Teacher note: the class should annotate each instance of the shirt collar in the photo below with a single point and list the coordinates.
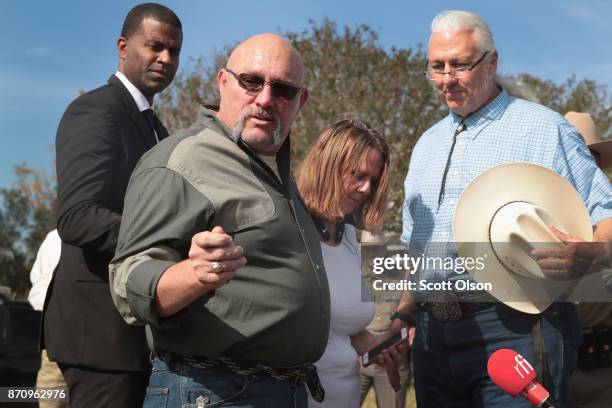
(478, 120)
(208, 116)
(139, 98)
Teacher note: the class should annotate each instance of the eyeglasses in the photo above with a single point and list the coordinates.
(456, 72)
(255, 83)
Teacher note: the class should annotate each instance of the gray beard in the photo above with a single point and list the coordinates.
(237, 131)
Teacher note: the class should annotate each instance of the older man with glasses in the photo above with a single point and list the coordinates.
(217, 253)
(486, 127)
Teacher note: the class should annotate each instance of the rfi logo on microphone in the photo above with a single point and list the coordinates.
(523, 364)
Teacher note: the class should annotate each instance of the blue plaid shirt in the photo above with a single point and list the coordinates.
(505, 130)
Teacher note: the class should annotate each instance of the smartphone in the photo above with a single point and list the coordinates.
(393, 341)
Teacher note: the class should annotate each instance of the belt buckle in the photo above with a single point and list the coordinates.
(445, 306)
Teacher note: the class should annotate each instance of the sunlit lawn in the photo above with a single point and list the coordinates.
(370, 401)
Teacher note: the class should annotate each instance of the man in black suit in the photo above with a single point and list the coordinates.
(101, 137)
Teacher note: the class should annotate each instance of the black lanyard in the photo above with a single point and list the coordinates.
(460, 129)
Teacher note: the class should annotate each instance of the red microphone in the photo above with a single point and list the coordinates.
(515, 376)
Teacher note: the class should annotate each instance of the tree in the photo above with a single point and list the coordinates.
(349, 74)
(27, 214)
(197, 85)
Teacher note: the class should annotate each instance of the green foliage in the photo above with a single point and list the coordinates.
(178, 105)
(27, 214)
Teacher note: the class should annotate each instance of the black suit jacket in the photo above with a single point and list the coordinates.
(100, 138)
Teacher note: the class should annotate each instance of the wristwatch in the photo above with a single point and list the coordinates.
(404, 317)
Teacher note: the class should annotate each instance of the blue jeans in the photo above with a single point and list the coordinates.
(182, 386)
(450, 358)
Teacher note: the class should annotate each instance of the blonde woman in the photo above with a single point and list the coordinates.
(344, 181)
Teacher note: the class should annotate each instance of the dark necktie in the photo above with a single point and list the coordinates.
(152, 121)
(460, 129)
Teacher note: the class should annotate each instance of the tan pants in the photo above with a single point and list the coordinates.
(50, 376)
(386, 397)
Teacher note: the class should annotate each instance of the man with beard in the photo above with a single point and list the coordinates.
(487, 127)
(218, 255)
(100, 138)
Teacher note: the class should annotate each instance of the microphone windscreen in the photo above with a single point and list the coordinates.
(510, 371)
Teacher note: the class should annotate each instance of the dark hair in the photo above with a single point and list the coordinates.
(155, 11)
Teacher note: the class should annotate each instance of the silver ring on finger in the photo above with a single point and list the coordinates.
(217, 267)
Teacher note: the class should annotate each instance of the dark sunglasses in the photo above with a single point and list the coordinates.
(255, 83)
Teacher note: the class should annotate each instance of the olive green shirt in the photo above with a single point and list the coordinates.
(276, 310)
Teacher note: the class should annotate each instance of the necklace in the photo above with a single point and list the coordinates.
(326, 234)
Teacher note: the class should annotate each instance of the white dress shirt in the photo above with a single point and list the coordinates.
(47, 259)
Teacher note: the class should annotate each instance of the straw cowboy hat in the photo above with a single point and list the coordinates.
(502, 215)
(587, 128)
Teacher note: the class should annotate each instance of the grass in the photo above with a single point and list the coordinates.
(370, 401)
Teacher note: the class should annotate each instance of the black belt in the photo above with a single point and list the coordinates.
(306, 373)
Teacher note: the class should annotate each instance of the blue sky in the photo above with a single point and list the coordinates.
(53, 49)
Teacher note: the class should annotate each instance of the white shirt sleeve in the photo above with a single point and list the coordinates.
(47, 259)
